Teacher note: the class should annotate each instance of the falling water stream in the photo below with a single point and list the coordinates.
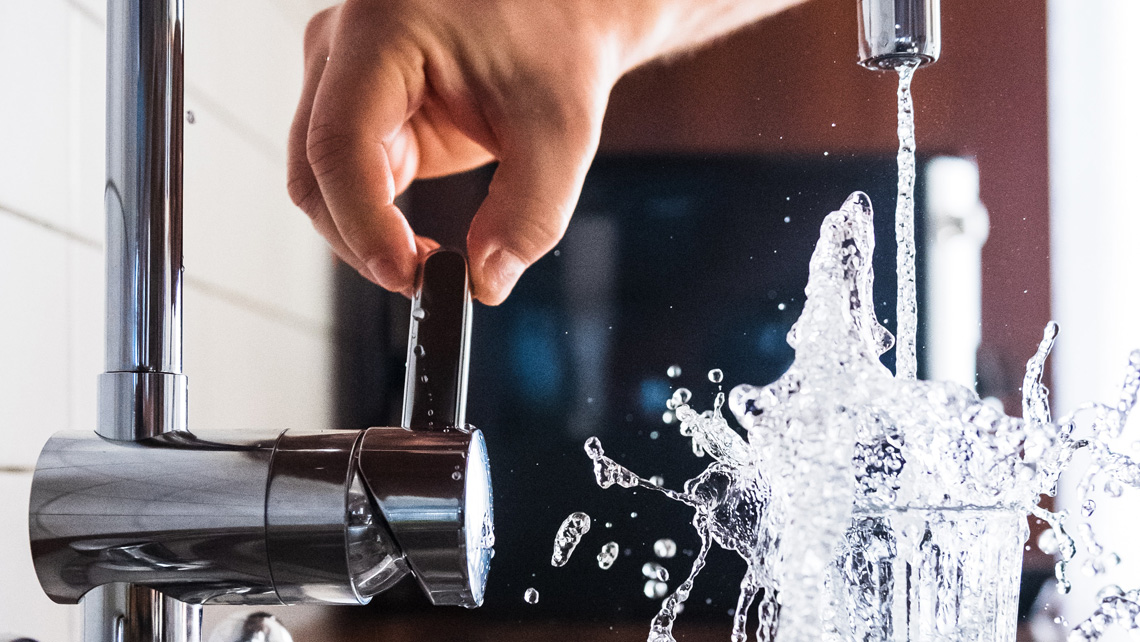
(906, 312)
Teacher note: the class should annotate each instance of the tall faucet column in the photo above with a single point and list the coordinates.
(143, 391)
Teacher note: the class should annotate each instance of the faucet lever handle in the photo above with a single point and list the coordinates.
(439, 337)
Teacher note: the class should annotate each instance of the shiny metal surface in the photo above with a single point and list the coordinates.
(439, 338)
(120, 612)
(143, 393)
(895, 32)
(136, 405)
(326, 541)
(434, 489)
(181, 513)
(143, 198)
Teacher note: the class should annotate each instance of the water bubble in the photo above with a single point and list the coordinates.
(530, 596)
(673, 371)
(1047, 542)
(1113, 488)
(655, 590)
(607, 555)
(665, 548)
(1088, 508)
(655, 571)
(716, 375)
(569, 534)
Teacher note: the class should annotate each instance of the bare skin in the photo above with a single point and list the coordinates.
(396, 90)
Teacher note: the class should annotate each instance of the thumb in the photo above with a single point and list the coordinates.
(528, 204)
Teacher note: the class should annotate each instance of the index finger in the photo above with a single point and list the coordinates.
(357, 130)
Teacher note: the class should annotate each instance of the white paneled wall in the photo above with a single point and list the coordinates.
(257, 299)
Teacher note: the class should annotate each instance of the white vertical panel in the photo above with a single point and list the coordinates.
(33, 349)
(87, 123)
(24, 609)
(86, 302)
(33, 111)
(1094, 90)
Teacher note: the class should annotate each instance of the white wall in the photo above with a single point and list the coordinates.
(1094, 131)
(257, 300)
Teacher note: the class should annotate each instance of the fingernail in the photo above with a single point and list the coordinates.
(386, 273)
(500, 272)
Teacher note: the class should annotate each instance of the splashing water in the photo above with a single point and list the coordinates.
(569, 534)
(906, 312)
(872, 507)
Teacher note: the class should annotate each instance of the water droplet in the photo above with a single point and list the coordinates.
(569, 534)
(665, 548)
(681, 396)
(653, 434)
(190, 117)
(657, 480)
(668, 416)
(530, 596)
(782, 307)
(423, 378)
(787, 219)
(457, 475)
(633, 515)
(557, 252)
(419, 351)
(419, 314)
(1088, 508)
(655, 590)
(608, 554)
(716, 375)
(673, 371)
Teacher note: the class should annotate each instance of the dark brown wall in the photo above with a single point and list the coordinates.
(777, 87)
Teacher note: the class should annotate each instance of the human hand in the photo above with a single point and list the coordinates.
(401, 89)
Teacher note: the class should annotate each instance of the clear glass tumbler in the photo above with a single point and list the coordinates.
(928, 575)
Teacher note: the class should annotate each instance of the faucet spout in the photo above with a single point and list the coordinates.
(893, 33)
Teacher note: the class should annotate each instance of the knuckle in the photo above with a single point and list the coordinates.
(539, 230)
(316, 31)
(303, 190)
(326, 148)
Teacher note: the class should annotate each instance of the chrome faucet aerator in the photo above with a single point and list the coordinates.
(284, 517)
(895, 32)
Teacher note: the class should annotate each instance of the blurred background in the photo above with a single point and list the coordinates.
(689, 248)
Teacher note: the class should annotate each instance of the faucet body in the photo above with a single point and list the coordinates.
(893, 33)
(262, 517)
(144, 521)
